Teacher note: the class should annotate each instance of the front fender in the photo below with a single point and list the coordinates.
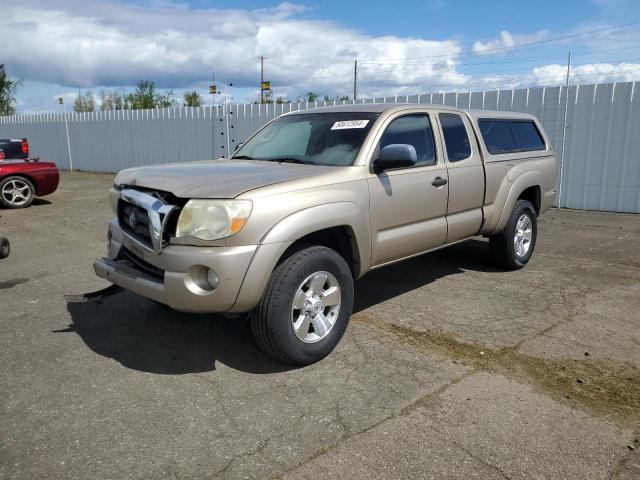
(297, 225)
(313, 219)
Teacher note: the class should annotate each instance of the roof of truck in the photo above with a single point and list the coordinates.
(369, 107)
(383, 107)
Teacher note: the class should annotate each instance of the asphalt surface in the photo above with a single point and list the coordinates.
(449, 368)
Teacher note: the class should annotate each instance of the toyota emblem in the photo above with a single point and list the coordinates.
(133, 221)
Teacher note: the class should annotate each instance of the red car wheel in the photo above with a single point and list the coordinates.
(16, 192)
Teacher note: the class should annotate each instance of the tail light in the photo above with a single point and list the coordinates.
(1, 155)
(25, 147)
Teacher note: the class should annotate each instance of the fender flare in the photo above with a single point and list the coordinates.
(320, 217)
(293, 227)
(520, 184)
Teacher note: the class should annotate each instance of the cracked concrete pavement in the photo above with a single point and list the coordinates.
(449, 369)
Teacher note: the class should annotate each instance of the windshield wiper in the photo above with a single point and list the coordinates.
(290, 160)
(242, 157)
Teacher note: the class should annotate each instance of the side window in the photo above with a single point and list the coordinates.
(527, 136)
(508, 136)
(456, 138)
(498, 136)
(414, 130)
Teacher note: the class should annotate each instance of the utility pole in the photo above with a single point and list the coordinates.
(355, 80)
(564, 128)
(261, 78)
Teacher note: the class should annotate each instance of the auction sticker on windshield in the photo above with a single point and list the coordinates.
(349, 124)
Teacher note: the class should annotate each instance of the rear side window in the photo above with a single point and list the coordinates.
(455, 137)
(527, 136)
(414, 130)
(508, 136)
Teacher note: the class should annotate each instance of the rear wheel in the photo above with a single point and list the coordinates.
(513, 247)
(306, 306)
(16, 192)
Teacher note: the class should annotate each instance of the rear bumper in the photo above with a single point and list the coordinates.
(181, 265)
(47, 180)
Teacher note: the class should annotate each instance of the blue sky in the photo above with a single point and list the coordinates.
(402, 46)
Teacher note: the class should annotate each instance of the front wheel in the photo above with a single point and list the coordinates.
(512, 248)
(306, 306)
(16, 192)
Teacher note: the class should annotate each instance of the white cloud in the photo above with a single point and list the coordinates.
(66, 44)
(590, 73)
(505, 42)
(93, 43)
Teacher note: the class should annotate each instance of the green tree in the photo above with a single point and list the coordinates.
(344, 98)
(84, 103)
(312, 97)
(192, 99)
(166, 100)
(144, 96)
(8, 90)
(282, 100)
(114, 100)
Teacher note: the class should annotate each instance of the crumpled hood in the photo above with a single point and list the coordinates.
(220, 178)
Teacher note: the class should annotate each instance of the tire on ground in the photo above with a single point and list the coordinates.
(271, 320)
(5, 247)
(29, 195)
(502, 245)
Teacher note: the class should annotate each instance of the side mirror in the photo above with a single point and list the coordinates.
(396, 155)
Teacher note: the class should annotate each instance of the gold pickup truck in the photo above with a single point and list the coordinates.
(313, 201)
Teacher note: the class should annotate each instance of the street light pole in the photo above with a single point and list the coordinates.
(261, 78)
(355, 80)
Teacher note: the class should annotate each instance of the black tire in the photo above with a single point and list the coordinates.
(5, 247)
(30, 192)
(501, 246)
(271, 320)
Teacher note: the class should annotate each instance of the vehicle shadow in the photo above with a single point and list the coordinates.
(148, 337)
(35, 203)
(145, 336)
(388, 282)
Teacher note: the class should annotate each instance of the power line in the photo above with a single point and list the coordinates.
(374, 74)
(505, 62)
(524, 45)
(484, 84)
(436, 71)
(465, 53)
(406, 66)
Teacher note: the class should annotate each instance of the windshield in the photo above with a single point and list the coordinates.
(314, 138)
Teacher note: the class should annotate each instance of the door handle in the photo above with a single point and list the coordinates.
(439, 181)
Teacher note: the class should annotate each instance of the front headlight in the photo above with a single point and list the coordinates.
(213, 219)
(114, 196)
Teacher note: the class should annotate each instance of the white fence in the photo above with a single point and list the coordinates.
(601, 168)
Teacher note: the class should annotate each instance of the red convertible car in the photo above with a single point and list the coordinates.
(22, 180)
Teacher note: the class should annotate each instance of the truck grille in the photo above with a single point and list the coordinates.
(135, 221)
(143, 216)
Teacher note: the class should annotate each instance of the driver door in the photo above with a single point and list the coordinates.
(408, 205)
